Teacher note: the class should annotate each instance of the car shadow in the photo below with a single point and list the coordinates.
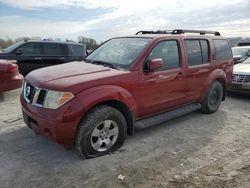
(242, 96)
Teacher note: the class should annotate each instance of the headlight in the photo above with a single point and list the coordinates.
(55, 99)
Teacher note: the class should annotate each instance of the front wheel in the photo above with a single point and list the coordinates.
(213, 99)
(103, 130)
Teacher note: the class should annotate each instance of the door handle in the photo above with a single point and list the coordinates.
(180, 76)
(37, 58)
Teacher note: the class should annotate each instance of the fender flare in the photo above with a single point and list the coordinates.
(217, 74)
(103, 93)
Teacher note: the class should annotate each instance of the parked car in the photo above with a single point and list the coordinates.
(9, 76)
(31, 55)
(241, 78)
(240, 53)
(127, 82)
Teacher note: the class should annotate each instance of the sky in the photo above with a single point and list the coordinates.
(103, 19)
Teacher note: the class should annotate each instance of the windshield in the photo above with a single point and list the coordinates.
(240, 51)
(12, 47)
(247, 61)
(119, 52)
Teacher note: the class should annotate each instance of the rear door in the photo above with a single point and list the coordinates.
(54, 54)
(198, 66)
(166, 88)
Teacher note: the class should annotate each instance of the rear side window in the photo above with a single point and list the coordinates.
(52, 49)
(168, 51)
(222, 50)
(31, 48)
(77, 50)
(197, 51)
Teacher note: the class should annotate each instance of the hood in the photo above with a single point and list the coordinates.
(73, 76)
(242, 68)
(237, 56)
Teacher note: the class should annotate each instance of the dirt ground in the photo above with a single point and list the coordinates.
(193, 151)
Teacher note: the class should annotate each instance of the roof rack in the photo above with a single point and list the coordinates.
(202, 32)
(155, 32)
(179, 31)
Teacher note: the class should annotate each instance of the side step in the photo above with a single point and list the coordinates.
(157, 119)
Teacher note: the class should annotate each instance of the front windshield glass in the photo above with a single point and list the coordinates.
(247, 61)
(12, 47)
(119, 52)
(240, 51)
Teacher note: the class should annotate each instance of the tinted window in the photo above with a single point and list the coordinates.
(30, 49)
(77, 50)
(222, 50)
(204, 50)
(167, 51)
(54, 49)
(197, 51)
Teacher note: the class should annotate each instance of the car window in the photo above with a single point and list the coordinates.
(204, 50)
(197, 51)
(168, 51)
(77, 50)
(53, 49)
(121, 52)
(31, 48)
(222, 50)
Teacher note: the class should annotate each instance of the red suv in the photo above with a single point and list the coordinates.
(128, 82)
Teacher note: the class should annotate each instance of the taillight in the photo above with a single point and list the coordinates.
(13, 68)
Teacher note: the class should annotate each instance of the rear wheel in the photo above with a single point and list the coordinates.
(103, 130)
(213, 99)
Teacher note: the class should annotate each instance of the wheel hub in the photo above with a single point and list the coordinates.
(104, 135)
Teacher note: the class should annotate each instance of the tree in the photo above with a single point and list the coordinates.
(6, 43)
(89, 42)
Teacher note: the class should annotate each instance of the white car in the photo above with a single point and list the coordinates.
(241, 78)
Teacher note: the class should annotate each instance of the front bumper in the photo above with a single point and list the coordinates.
(58, 125)
(239, 87)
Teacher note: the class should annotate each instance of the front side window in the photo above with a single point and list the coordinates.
(32, 48)
(168, 51)
(120, 52)
(197, 51)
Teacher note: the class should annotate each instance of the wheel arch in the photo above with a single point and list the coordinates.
(114, 96)
(217, 75)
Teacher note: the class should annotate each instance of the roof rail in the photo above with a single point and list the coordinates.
(155, 32)
(202, 32)
(179, 31)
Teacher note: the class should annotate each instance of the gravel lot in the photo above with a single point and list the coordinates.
(195, 150)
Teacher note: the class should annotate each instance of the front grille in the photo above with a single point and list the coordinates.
(29, 92)
(41, 97)
(241, 78)
(34, 95)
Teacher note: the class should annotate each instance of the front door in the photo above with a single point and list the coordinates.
(164, 89)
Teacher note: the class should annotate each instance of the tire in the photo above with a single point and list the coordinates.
(213, 99)
(103, 130)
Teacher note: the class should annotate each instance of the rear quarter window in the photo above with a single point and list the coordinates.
(77, 50)
(222, 49)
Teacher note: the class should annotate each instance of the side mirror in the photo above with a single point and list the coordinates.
(19, 52)
(155, 64)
